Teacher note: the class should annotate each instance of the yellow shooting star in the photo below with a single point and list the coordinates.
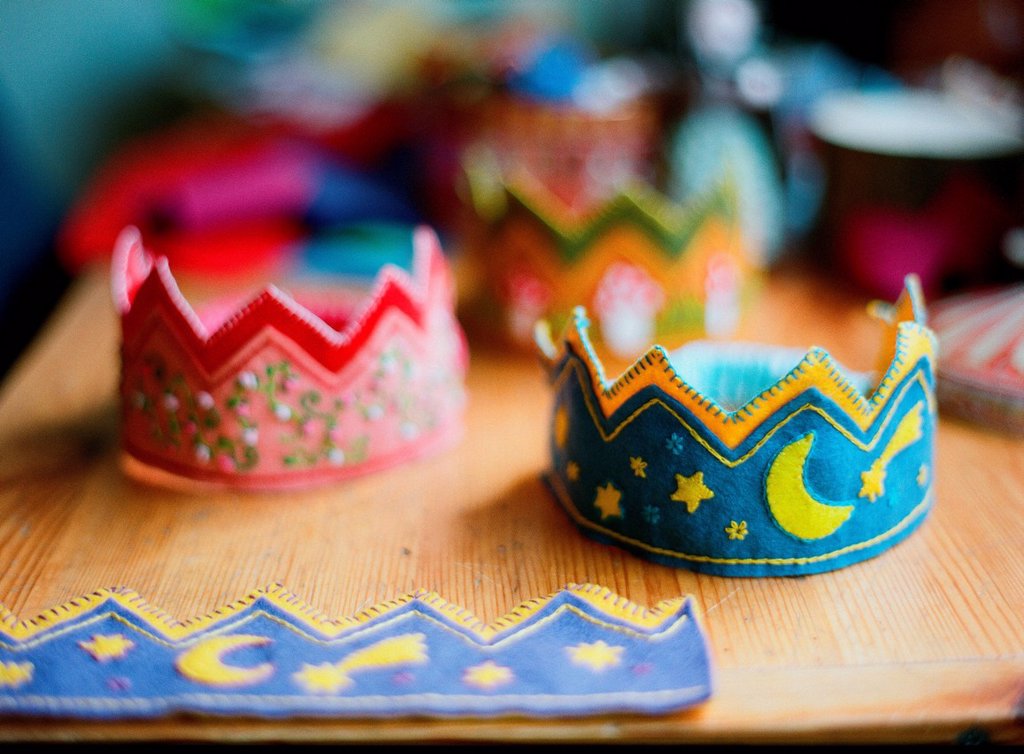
(907, 433)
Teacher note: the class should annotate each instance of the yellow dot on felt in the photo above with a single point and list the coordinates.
(639, 466)
(572, 470)
(105, 647)
(692, 491)
(607, 501)
(325, 678)
(14, 674)
(561, 426)
(597, 656)
(922, 475)
(487, 675)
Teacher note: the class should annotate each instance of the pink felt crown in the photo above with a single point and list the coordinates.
(271, 395)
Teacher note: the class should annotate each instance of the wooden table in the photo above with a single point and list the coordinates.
(924, 643)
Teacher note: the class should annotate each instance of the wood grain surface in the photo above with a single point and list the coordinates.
(923, 643)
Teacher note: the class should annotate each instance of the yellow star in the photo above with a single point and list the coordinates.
(596, 656)
(692, 491)
(922, 475)
(105, 647)
(561, 426)
(14, 674)
(326, 678)
(487, 675)
(572, 470)
(873, 482)
(639, 466)
(607, 501)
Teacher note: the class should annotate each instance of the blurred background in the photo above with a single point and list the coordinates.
(867, 138)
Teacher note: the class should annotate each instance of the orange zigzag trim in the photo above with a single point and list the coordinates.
(912, 341)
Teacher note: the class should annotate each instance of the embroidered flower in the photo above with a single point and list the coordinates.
(225, 463)
(336, 456)
(282, 412)
(737, 530)
(374, 412)
(650, 514)
(189, 428)
(119, 683)
(675, 443)
(638, 466)
(250, 436)
(248, 380)
(202, 453)
(171, 402)
(204, 400)
(572, 471)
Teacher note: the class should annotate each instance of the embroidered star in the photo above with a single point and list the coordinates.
(922, 475)
(561, 426)
(597, 656)
(487, 675)
(692, 491)
(639, 466)
(607, 501)
(14, 674)
(873, 482)
(104, 647)
(737, 530)
(326, 678)
(572, 471)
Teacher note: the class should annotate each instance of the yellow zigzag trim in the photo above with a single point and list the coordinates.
(913, 342)
(601, 600)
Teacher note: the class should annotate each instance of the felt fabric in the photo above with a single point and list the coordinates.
(646, 267)
(809, 474)
(581, 651)
(282, 392)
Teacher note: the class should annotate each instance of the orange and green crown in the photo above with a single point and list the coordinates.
(648, 268)
(746, 459)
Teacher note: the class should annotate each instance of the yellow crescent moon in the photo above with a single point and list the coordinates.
(204, 663)
(793, 507)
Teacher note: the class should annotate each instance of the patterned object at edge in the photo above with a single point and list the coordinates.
(273, 396)
(580, 651)
(808, 475)
(981, 338)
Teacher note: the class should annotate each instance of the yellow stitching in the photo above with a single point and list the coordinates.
(156, 620)
(914, 342)
(563, 496)
(609, 436)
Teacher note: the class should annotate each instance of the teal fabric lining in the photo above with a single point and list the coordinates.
(733, 373)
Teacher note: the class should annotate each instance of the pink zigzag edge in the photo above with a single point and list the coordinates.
(143, 287)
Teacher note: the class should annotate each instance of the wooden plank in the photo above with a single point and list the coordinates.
(921, 643)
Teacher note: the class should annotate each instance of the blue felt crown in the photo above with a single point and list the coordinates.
(580, 651)
(726, 458)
